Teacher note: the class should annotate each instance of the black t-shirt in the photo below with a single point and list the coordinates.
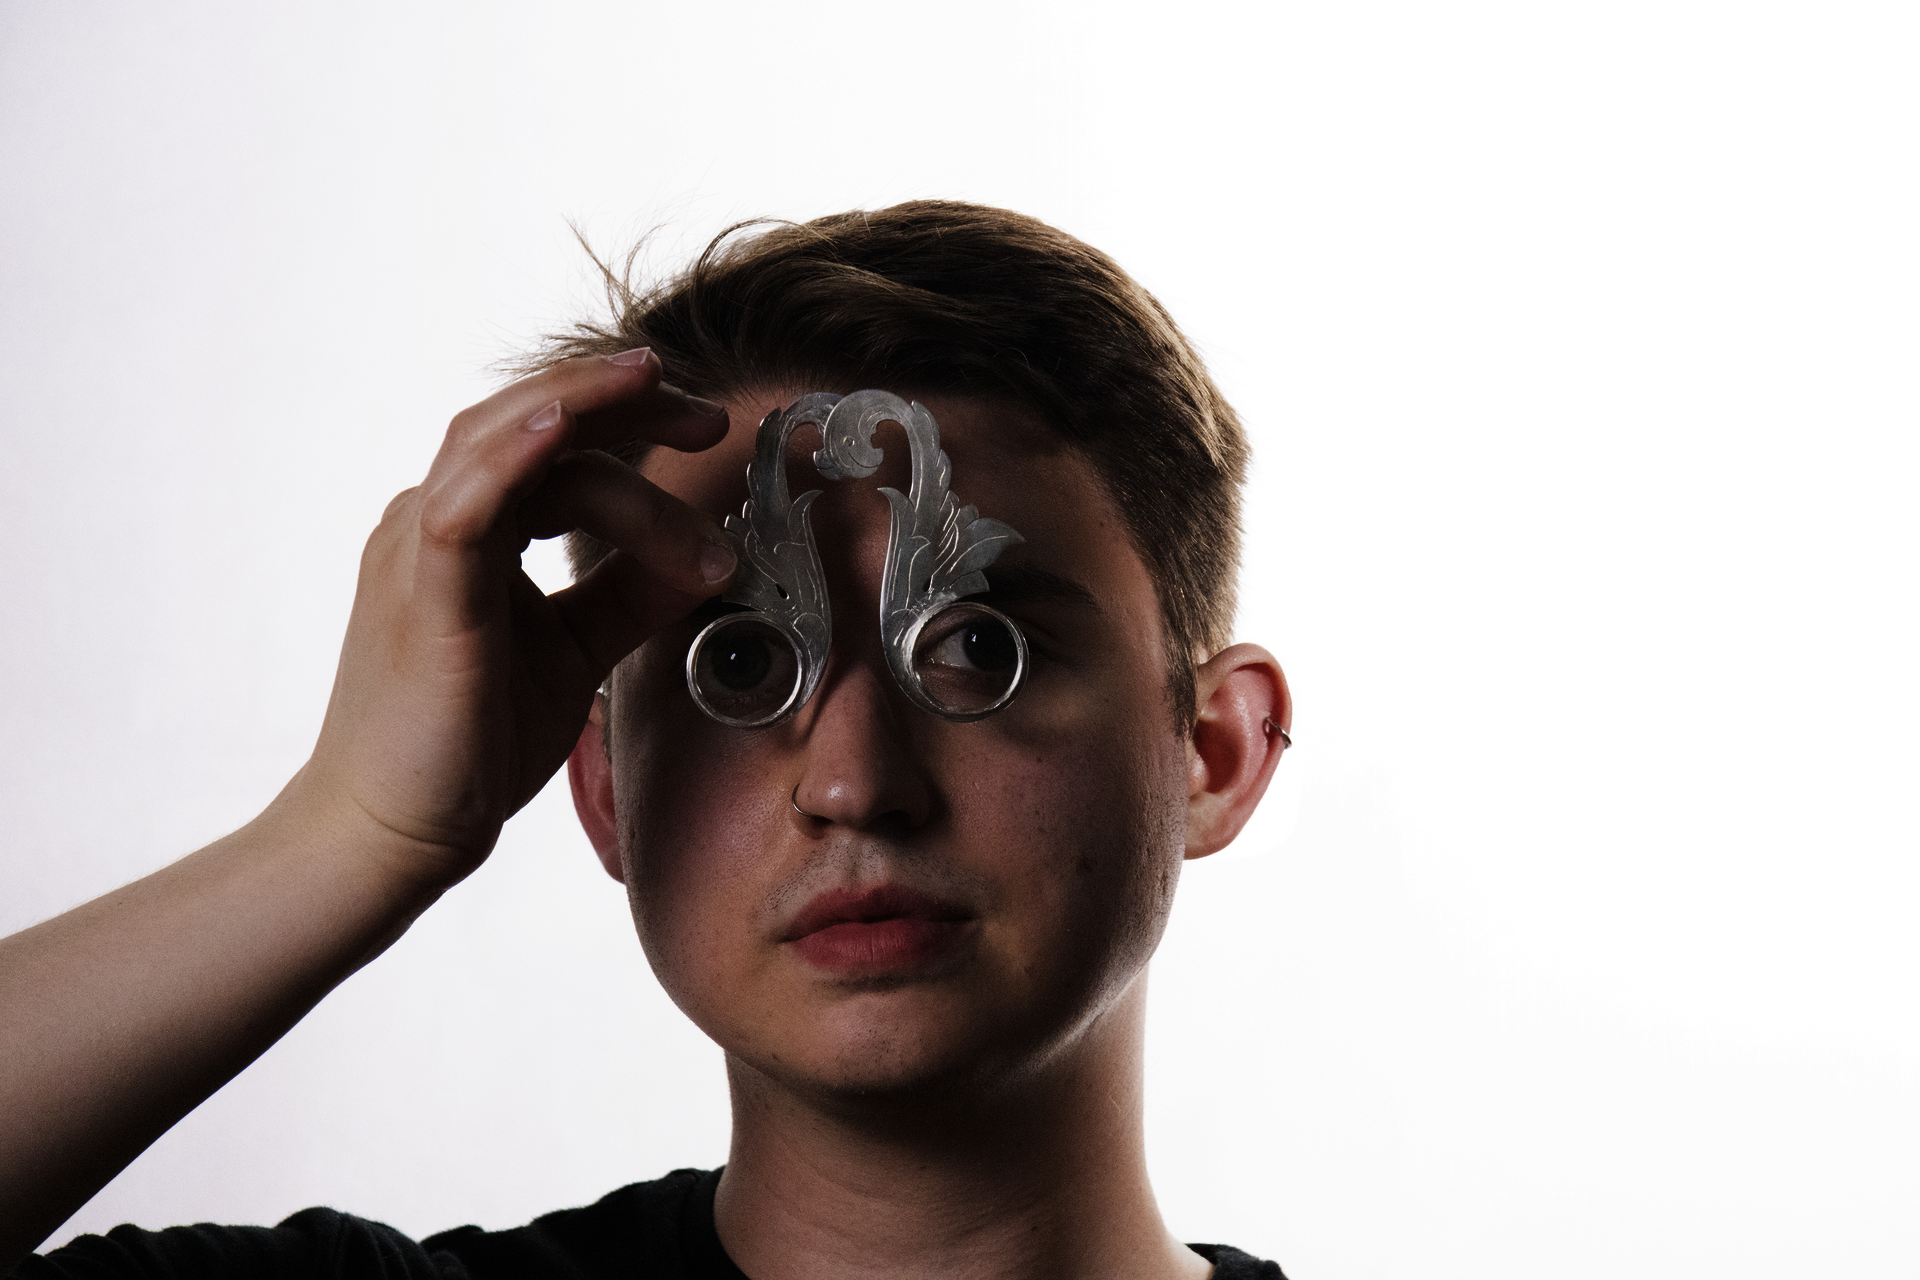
(654, 1230)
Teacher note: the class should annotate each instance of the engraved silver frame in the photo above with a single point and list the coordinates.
(937, 549)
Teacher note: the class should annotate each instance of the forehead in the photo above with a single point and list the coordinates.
(989, 441)
(1007, 462)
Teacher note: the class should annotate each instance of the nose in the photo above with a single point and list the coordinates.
(860, 770)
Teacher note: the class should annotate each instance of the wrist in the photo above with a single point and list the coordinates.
(327, 824)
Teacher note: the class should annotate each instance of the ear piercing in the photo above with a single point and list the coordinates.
(1286, 739)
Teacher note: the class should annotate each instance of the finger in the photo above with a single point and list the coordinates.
(675, 545)
(665, 415)
(400, 500)
(616, 607)
(617, 398)
(468, 488)
(495, 454)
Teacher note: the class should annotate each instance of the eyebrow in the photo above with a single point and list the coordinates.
(1023, 582)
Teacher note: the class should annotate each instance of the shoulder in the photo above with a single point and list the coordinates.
(1231, 1264)
(314, 1243)
(646, 1229)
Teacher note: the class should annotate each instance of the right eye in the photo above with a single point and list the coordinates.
(742, 671)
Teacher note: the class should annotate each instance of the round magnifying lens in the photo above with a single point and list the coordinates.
(970, 660)
(743, 671)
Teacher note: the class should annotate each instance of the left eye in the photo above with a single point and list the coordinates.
(984, 646)
(970, 659)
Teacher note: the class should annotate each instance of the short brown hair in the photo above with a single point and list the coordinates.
(941, 297)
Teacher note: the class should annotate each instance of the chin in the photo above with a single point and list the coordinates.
(881, 1050)
(892, 1044)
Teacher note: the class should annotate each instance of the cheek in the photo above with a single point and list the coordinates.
(693, 826)
(1089, 837)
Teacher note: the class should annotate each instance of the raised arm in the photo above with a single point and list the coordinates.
(461, 689)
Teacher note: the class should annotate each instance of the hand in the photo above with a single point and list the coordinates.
(461, 687)
(460, 690)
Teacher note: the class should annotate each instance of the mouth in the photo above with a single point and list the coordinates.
(871, 932)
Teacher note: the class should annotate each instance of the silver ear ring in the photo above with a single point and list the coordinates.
(1270, 726)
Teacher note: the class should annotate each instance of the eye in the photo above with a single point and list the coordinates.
(743, 671)
(970, 660)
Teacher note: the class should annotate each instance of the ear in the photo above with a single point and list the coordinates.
(590, 773)
(1231, 754)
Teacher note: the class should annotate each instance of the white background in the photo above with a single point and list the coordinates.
(1578, 344)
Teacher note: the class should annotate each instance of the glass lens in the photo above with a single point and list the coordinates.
(970, 659)
(742, 671)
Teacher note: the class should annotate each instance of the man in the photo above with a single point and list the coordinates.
(921, 941)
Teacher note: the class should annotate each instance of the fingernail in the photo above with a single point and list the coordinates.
(717, 563)
(708, 407)
(545, 420)
(633, 359)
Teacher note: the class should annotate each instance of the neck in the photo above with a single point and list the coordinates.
(1046, 1179)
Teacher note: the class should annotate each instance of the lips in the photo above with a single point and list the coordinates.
(867, 933)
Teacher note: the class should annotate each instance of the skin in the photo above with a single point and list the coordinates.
(460, 691)
(978, 1115)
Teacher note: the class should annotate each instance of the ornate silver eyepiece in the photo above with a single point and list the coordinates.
(956, 658)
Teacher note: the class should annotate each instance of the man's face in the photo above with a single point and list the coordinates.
(968, 897)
